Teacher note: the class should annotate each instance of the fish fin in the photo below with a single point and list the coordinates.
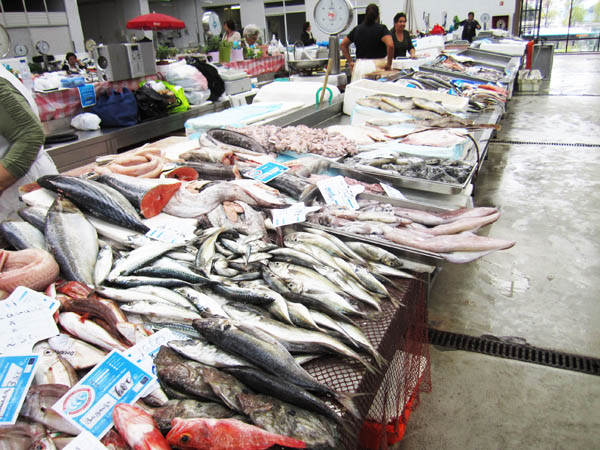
(347, 401)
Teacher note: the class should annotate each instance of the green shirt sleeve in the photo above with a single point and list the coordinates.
(21, 128)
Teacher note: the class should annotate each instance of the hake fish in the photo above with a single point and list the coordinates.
(72, 240)
(97, 199)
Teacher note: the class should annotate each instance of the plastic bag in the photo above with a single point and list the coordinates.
(86, 121)
(186, 76)
(182, 102)
(47, 82)
(197, 97)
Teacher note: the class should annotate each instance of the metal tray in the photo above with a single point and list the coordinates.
(463, 76)
(488, 57)
(306, 64)
(418, 184)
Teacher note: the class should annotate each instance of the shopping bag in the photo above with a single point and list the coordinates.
(151, 104)
(119, 109)
(182, 102)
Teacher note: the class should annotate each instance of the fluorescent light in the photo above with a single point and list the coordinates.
(235, 7)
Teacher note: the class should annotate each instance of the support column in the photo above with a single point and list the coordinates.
(75, 30)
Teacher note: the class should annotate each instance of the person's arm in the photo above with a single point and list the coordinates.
(389, 46)
(477, 25)
(22, 129)
(411, 48)
(345, 47)
(413, 53)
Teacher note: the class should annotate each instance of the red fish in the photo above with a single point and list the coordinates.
(224, 434)
(138, 428)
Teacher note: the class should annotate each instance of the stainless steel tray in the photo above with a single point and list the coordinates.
(418, 184)
(488, 57)
(306, 64)
(463, 76)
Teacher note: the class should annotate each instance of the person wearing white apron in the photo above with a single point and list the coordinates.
(22, 157)
(374, 45)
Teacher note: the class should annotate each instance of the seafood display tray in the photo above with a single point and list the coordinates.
(418, 184)
(463, 76)
(490, 57)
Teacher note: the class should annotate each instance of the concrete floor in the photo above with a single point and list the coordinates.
(544, 290)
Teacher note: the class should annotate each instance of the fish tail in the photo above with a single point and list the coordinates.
(347, 401)
(286, 441)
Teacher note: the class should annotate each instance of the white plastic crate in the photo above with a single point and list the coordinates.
(529, 81)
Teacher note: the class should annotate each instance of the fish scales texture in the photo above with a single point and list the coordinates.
(138, 428)
(265, 352)
(22, 235)
(38, 407)
(283, 418)
(97, 199)
(73, 241)
(188, 409)
(224, 434)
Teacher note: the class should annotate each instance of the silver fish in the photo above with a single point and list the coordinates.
(199, 349)
(38, 407)
(161, 311)
(165, 293)
(139, 257)
(72, 240)
(206, 253)
(103, 264)
(22, 235)
(202, 301)
(129, 295)
(301, 316)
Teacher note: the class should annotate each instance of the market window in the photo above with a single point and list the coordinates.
(35, 5)
(12, 6)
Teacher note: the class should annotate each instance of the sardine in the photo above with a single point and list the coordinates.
(22, 235)
(103, 264)
(72, 240)
(302, 340)
(139, 257)
(97, 199)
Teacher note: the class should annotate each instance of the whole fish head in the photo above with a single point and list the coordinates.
(206, 325)
(190, 433)
(137, 427)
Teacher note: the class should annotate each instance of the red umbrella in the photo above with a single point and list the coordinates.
(155, 21)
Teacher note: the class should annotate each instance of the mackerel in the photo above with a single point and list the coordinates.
(22, 235)
(35, 215)
(72, 240)
(166, 267)
(139, 257)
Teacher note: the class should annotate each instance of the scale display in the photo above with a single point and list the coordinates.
(333, 16)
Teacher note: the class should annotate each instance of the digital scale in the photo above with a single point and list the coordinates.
(331, 17)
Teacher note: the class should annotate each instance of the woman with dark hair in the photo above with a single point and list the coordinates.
(401, 38)
(230, 34)
(374, 45)
(72, 65)
(306, 37)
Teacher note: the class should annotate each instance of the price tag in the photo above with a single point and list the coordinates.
(85, 441)
(294, 214)
(26, 318)
(89, 404)
(168, 235)
(266, 172)
(16, 375)
(143, 353)
(336, 191)
(392, 192)
(87, 95)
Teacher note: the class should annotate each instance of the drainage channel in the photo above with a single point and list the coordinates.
(554, 144)
(519, 352)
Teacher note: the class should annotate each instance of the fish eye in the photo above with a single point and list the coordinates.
(48, 352)
(185, 437)
(292, 412)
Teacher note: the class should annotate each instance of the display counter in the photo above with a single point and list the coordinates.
(65, 103)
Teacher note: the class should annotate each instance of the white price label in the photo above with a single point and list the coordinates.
(294, 214)
(336, 191)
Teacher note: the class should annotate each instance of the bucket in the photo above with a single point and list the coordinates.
(224, 54)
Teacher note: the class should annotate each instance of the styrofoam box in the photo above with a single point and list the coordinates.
(512, 49)
(407, 63)
(364, 88)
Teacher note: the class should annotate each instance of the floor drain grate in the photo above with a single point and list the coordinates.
(519, 352)
(555, 144)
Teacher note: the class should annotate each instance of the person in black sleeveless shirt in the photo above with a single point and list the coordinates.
(401, 37)
(372, 41)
